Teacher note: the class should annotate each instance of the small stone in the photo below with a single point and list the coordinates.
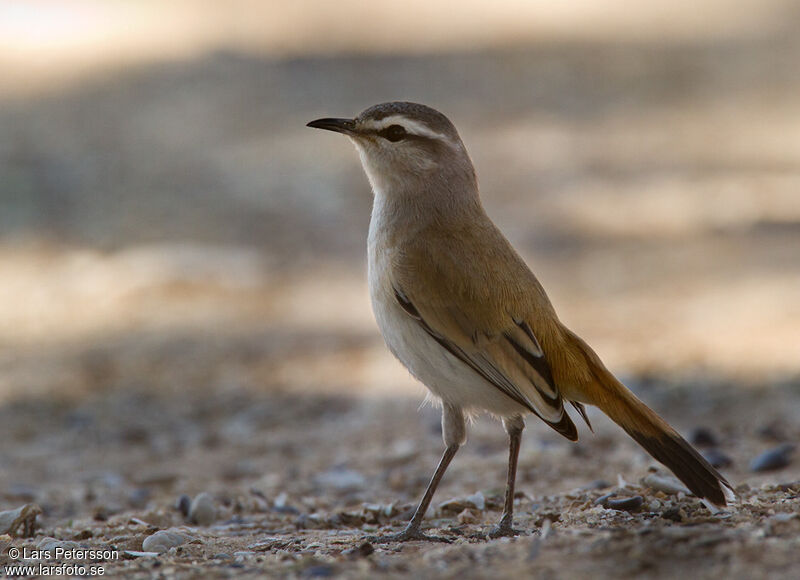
(627, 504)
(793, 486)
(665, 483)
(374, 512)
(477, 500)
(362, 551)
(131, 554)
(467, 516)
(457, 504)
(23, 517)
(84, 534)
(603, 499)
(674, 514)
(203, 511)
(772, 459)
(267, 544)
(717, 458)
(545, 519)
(282, 506)
(162, 541)
(184, 504)
(703, 437)
(281, 500)
(546, 529)
(50, 544)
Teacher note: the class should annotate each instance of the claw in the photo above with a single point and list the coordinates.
(410, 534)
(505, 531)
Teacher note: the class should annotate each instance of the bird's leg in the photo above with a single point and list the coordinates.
(454, 434)
(514, 427)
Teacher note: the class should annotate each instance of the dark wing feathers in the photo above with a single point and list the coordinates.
(513, 354)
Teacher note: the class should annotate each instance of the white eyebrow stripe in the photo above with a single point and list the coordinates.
(410, 126)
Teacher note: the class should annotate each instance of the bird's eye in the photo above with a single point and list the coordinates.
(393, 133)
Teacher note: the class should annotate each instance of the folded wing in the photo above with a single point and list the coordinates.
(508, 357)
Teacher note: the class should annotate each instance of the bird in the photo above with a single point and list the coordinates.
(459, 307)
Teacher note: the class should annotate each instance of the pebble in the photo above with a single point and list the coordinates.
(627, 504)
(380, 510)
(203, 511)
(50, 544)
(23, 517)
(668, 484)
(790, 486)
(131, 554)
(84, 534)
(775, 458)
(703, 437)
(477, 500)
(281, 500)
(458, 504)
(164, 540)
(676, 514)
(184, 504)
(362, 551)
(467, 516)
(281, 505)
(603, 499)
(717, 458)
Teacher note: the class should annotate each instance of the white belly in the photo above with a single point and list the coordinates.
(443, 374)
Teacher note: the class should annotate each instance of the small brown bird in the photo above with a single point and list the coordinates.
(461, 310)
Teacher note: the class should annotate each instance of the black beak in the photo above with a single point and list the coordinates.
(346, 126)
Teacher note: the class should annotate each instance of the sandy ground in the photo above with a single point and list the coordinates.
(183, 306)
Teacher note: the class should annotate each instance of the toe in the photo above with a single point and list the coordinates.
(407, 535)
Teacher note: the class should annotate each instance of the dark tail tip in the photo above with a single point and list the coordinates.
(685, 462)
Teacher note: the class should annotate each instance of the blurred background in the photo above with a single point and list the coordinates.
(182, 262)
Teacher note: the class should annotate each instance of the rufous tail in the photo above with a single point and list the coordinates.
(653, 433)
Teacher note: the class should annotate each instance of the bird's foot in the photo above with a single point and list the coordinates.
(410, 534)
(504, 530)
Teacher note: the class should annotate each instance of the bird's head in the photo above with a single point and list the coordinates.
(402, 143)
